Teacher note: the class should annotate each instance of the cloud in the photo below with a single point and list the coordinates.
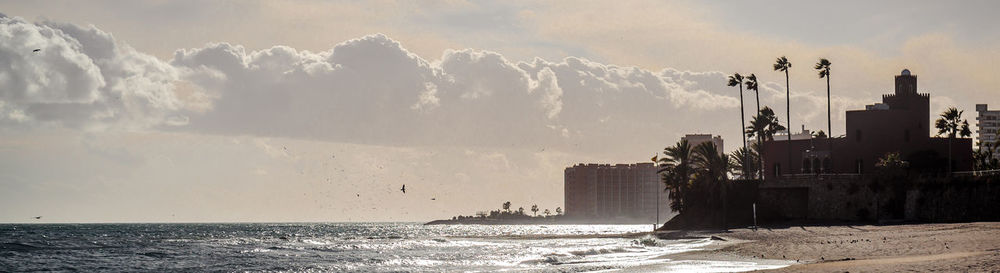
(370, 90)
(81, 78)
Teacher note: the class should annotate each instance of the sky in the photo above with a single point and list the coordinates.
(319, 111)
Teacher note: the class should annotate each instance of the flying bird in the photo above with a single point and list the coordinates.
(37, 50)
(403, 188)
(432, 199)
(359, 195)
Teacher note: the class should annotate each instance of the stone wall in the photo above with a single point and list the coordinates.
(818, 198)
(857, 198)
(851, 198)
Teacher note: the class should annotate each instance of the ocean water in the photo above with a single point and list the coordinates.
(344, 247)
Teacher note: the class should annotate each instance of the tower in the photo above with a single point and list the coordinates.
(907, 98)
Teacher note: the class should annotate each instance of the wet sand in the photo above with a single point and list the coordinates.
(962, 247)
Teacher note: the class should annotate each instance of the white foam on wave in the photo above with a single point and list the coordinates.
(603, 253)
(436, 248)
(719, 266)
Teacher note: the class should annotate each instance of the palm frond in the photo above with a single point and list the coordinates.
(782, 64)
(751, 82)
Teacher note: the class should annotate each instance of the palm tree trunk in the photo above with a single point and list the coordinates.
(742, 121)
(760, 145)
(788, 118)
(829, 123)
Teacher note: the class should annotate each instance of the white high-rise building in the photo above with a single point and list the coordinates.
(988, 122)
(619, 193)
(696, 139)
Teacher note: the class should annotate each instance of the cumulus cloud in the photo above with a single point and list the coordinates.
(373, 90)
(369, 90)
(79, 77)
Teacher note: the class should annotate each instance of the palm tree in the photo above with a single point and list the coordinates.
(824, 72)
(744, 159)
(984, 157)
(558, 210)
(711, 164)
(752, 85)
(782, 64)
(506, 206)
(534, 210)
(547, 213)
(712, 169)
(823, 66)
(520, 210)
(734, 80)
(763, 126)
(951, 123)
(676, 172)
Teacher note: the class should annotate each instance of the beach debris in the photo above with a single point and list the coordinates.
(432, 199)
(717, 238)
(38, 217)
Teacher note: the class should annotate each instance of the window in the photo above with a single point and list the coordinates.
(857, 135)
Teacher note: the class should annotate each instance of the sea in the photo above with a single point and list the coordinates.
(348, 247)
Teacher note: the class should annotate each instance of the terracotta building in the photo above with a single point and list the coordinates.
(900, 123)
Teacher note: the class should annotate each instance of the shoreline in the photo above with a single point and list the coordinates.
(867, 248)
(540, 221)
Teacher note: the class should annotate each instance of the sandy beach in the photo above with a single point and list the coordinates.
(961, 247)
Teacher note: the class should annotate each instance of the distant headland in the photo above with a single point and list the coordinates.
(508, 216)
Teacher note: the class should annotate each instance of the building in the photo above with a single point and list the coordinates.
(619, 193)
(696, 139)
(900, 124)
(783, 135)
(988, 122)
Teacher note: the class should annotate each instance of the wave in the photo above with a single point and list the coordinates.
(155, 254)
(598, 251)
(19, 247)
